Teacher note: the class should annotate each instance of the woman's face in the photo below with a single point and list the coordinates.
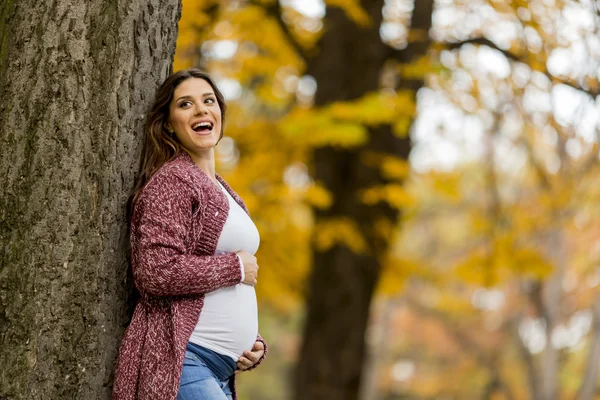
(195, 115)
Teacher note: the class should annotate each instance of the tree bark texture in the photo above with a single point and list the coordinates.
(76, 79)
(349, 65)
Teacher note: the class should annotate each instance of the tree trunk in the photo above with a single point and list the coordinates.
(342, 282)
(589, 384)
(76, 79)
(552, 298)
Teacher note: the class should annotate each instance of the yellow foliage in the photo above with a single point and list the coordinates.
(317, 128)
(477, 269)
(384, 228)
(446, 185)
(480, 223)
(353, 10)
(450, 303)
(193, 19)
(401, 127)
(530, 262)
(253, 25)
(373, 108)
(397, 270)
(417, 69)
(318, 196)
(392, 167)
(265, 2)
(394, 194)
(394, 274)
(306, 38)
(339, 231)
(489, 266)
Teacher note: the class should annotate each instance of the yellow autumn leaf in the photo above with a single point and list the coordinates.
(395, 168)
(317, 196)
(401, 127)
(339, 231)
(394, 194)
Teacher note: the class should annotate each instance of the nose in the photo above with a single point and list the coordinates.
(201, 109)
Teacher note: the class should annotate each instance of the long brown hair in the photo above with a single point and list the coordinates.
(159, 146)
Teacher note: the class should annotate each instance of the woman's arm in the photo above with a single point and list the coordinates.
(160, 234)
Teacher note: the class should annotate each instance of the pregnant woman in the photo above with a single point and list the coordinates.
(192, 255)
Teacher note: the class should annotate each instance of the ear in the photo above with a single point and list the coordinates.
(168, 127)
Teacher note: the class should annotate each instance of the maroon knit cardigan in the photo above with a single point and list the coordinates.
(176, 224)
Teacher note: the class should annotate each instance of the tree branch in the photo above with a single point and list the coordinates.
(482, 41)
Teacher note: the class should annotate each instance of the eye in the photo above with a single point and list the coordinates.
(184, 104)
(209, 100)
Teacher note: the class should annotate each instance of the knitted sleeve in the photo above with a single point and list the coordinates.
(161, 232)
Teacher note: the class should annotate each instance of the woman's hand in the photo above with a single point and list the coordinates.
(250, 357)
(250, 267)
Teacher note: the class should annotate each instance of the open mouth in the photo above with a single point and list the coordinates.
(202, 127)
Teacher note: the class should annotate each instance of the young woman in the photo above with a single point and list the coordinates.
(192, 256)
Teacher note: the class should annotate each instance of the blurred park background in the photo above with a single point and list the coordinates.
(424, 175)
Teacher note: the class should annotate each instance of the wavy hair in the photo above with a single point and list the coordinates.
(159, 146)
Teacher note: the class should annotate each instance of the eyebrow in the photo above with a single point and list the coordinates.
(189, 97)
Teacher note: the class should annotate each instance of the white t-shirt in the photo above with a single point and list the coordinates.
(228, 323)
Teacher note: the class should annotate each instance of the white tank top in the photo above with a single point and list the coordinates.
(228, 323)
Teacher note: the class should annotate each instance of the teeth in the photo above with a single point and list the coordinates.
(199, 124)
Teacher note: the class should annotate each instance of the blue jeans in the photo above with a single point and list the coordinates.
(205, 375)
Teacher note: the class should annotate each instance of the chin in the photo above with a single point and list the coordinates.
(207, 143)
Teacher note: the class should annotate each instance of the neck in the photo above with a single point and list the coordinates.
(205, 161)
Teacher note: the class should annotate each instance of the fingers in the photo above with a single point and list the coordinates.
(253, 356)
(258, 345)
(244, 363)
(250, 281)
(249, 358)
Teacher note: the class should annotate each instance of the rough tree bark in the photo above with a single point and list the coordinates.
(76, 79)
(349, 65)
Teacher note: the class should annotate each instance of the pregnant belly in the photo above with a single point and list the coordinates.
(228, 323)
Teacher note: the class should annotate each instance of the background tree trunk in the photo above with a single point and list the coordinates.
(76, 80)
(342, 283)
(589, 383)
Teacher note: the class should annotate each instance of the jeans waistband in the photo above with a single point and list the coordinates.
(221, 365)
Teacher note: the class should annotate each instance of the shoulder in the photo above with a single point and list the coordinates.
(167, 181)
(178, 181)
(178, 174)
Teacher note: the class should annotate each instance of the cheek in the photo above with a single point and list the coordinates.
(177, 119)
(179, 115)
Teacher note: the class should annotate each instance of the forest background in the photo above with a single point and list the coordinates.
(422, 174)
(489, 276)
